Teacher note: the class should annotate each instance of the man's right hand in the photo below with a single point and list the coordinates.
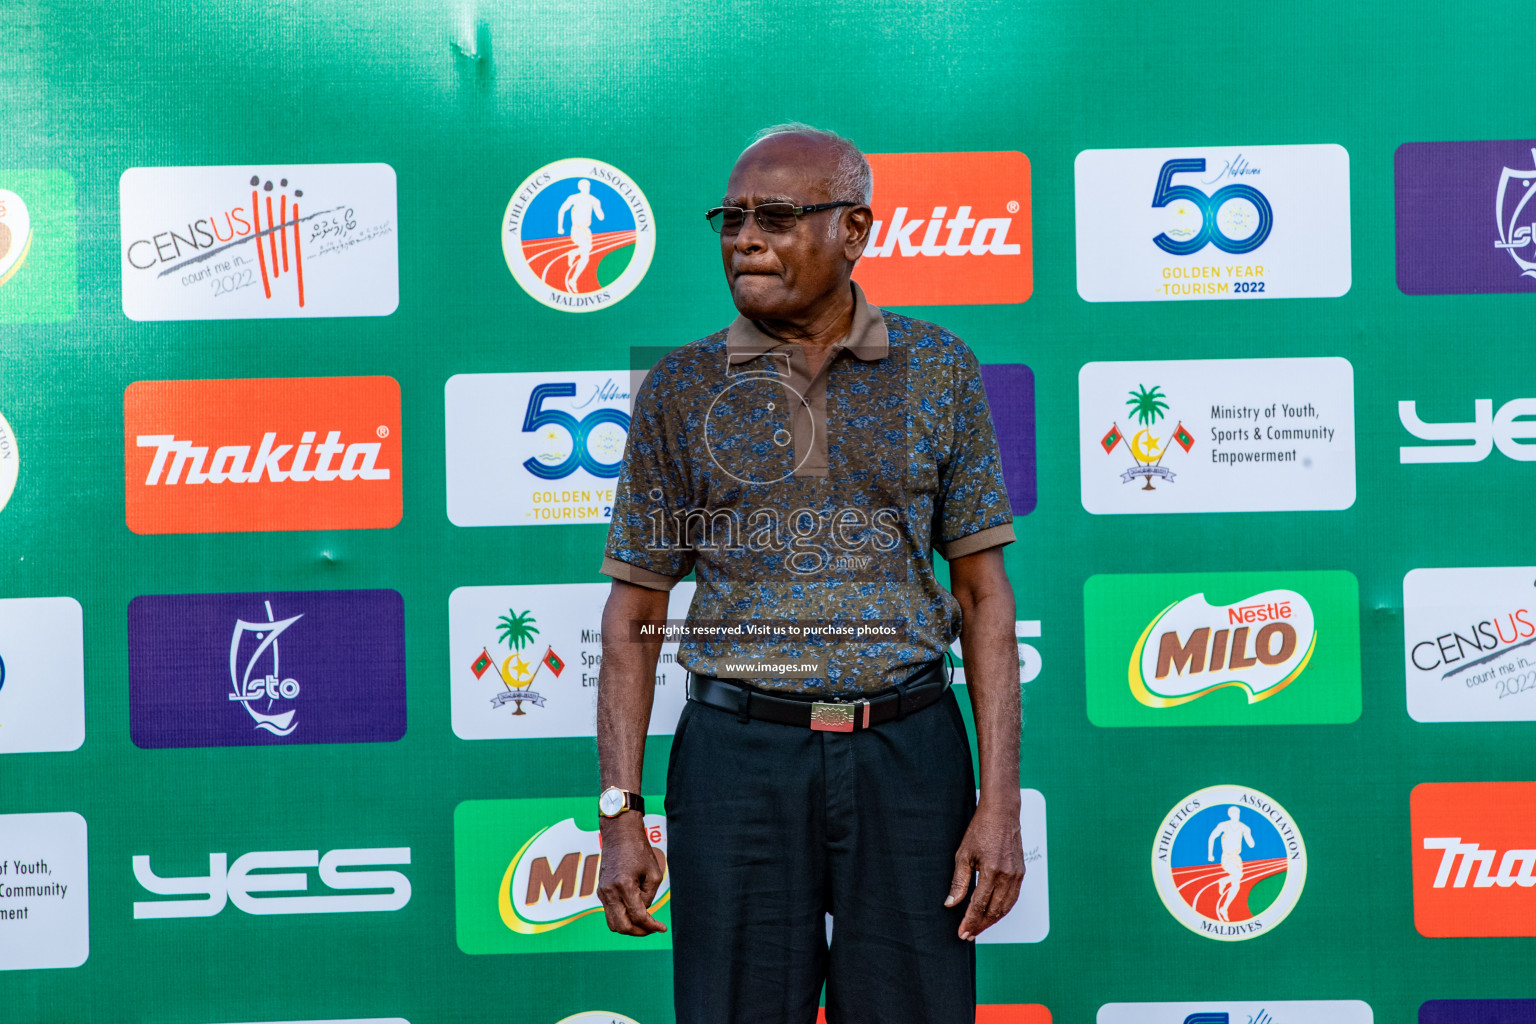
(630, 876)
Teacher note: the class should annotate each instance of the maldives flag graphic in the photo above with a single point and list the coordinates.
(553, 661)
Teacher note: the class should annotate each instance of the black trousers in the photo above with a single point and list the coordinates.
(770, 827)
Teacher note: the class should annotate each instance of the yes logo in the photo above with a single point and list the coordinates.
(1508, 429)
(525, 877)
(236, 883)
(528, 449)
(1223, 648)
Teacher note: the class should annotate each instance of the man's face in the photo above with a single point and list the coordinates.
(787, 275)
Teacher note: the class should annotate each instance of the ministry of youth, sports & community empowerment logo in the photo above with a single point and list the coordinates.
(517, 630)
(578, 235)
(1148, 406)
(1229, 863)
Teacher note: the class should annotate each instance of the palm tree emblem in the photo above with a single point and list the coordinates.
(516, 630)
(1147, 405)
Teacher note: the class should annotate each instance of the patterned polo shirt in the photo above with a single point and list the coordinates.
(811, 499)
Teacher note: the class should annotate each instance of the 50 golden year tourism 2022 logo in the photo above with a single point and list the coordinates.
(578, 235)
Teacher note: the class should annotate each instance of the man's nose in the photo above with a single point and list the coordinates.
(750, 238)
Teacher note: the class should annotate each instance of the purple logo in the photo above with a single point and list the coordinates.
(1478, 1011)
(234, 670)
(1011, 397)
(1466, 217)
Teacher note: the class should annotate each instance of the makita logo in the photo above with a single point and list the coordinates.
(338, 435)
(1517, 867)
(966, 236)
(233, 463)
(970, 212)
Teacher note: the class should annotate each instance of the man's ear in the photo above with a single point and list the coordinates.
(856, 225)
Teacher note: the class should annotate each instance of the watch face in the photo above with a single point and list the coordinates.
(611, 802)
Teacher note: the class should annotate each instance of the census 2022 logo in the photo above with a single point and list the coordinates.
(1222, 223)
(1468, 644)
(578, 235)
(1229, 863)
(949, 228)
(535, 449)
(300, 240)
(1512, 429)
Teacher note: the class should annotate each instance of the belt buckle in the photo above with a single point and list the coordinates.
(832, 717)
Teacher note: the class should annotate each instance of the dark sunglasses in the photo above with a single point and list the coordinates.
(774, 218)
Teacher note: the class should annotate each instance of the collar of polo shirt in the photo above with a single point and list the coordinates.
(867, 340)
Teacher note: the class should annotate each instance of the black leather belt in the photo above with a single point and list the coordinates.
(824, 714)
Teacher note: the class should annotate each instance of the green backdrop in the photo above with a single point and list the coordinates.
(464, 100)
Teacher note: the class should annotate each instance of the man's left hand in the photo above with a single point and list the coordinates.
(993, 850)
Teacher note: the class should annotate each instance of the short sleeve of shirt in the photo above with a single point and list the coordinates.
(651, 486)
(972, 512)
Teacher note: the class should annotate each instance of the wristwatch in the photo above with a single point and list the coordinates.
(615, 801)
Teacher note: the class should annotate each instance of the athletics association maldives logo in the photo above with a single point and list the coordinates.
(1258, 877)
(578, 235)
(517, 630)
(1148, 406)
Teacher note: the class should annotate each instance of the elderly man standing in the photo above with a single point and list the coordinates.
(805, 463)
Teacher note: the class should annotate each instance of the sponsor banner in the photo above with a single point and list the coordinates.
(42, 675)
(1011, 397)
(1230, 648)
(10, 462)
(1232, 222)
(1509, 429)
(1030, 918)
(950, 228)
(524, 661)
(1217, 435)
(231, 456)
(37, 247)
(1469, 644)
(1261, 871)
(578, 235)
(233, 881)
(229, 670)
(534, 449)
(1474, 859)
(1478, 1011)
(525, 877)
(44, 891)
(248, 242)
(993, 1013)
(1447, 244)
(1215, 1011)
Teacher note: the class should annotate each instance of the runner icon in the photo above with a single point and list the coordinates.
(1233, 834)
(582, 204)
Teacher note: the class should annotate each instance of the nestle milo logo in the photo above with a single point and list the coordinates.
(552, 880)
(1243, 648)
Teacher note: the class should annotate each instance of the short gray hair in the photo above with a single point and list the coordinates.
(852, 181)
